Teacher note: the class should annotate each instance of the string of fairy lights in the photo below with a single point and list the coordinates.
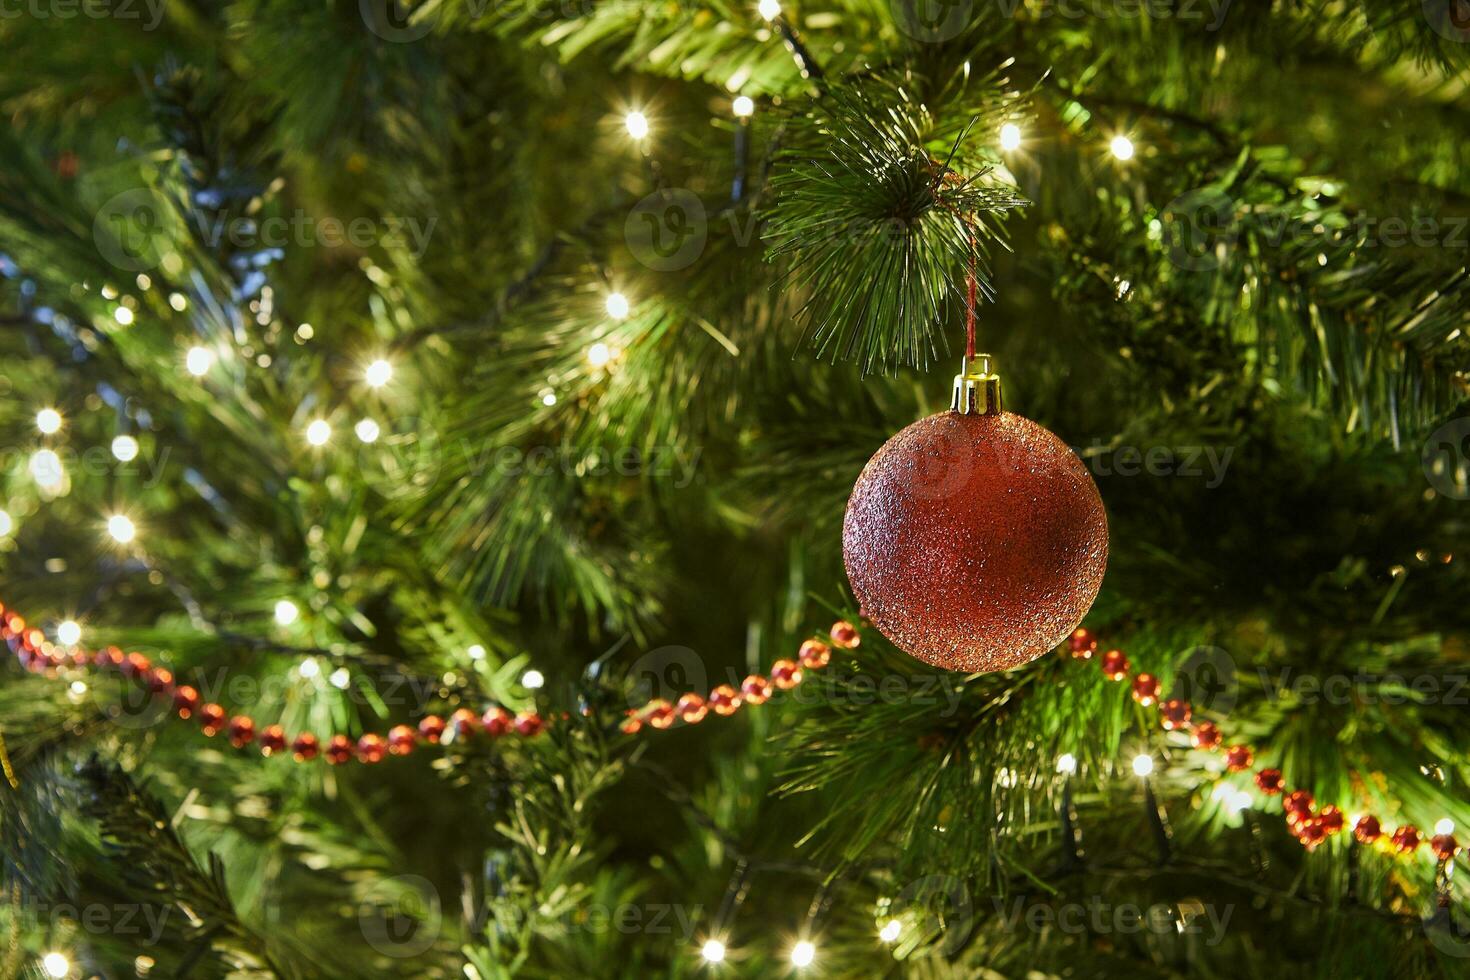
(66, 658)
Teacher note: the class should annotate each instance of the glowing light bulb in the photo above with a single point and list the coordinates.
(637, 124)
(713, 951)
(48, 420)
(121, 528)
(318, 432)
(123, 315)
(178, 301)
(78, 688)
(367, 430)
(743, 106)
(125, 448)
(769, 9)
(198, 361)
(617, 306)
(1010, 137)
(69, 633)
(476, 652)
(1143, 765)
(1122, 147)
(598, 355)
(1066, 763)
(286, 612)
(1240, 801)
(56, 965)
(890, 931)
(46, 469)
(803, 953)
(548, 398)
(309, 668)
(1445, 826)
(378, 373)
(532, 680)
(7, 524)
(340, 678)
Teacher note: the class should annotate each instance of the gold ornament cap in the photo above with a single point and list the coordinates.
(976, 388)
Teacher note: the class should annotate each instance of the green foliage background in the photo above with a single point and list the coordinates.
(1278, 277)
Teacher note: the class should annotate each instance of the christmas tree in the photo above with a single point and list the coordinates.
(430, 433)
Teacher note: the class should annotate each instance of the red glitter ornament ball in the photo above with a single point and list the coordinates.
(975, 542)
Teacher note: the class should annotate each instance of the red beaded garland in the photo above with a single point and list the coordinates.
(814, 654)
(1238, 758)
(272, 740)
(211, 719)
(497, 722)
(755, 689)
(306, 747)
(1146, 689)
(1298, 801)
(1405, 840)
(1445, 846)
(1367, 829)
(432, 729)
(660, 714)
(1205, 736)
(1311, 833)
(160, 680)
(724, 700)
(785, 674)
(845, 635)
(1082, 643)
(1331, 819)
(528, 724)
(371, 748)
(692, 709)
(465, 723)
(1115, 665)
(401, 739)
(242, 731)
(1269, 781)
(1175, 714)
(339, 750)
(186, 700)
